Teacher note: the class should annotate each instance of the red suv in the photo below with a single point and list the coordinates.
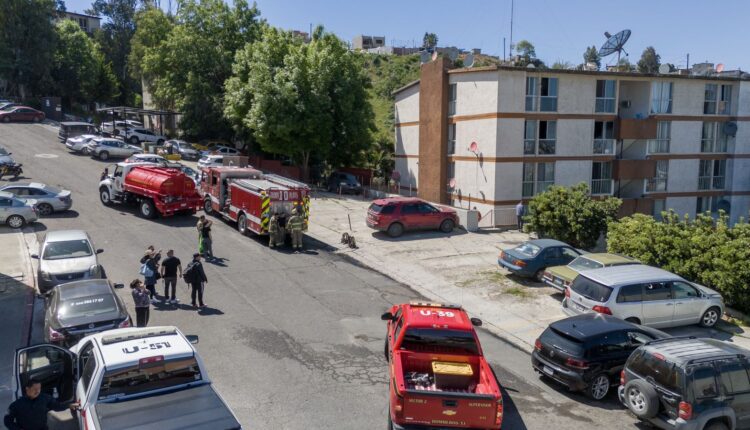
(396, 214)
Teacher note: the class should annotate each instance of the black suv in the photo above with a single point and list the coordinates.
(688, 384)
(344, 183)
(587, 352)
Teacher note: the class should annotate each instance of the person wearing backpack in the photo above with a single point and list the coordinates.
(150, 270)
(195, 276)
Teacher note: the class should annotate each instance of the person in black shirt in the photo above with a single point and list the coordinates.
(196, 277)
(169, 272)
(30, 411)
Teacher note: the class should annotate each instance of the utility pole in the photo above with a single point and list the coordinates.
(504, 58)
(687, 65)
(510, 48)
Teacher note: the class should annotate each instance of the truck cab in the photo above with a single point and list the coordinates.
(438, 374)
(116, 374)
(117, 172)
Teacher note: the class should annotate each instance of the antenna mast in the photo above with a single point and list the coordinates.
(510, 47)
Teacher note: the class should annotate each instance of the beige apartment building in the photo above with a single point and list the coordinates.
(88, 23)
(493, 136)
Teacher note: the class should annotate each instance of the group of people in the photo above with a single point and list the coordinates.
(278, 226)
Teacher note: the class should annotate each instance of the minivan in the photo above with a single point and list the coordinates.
(74, 129)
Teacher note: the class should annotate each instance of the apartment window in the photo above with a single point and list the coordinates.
(660, 205)
(604, 137)
(713, 138)
(725, 100)
(711, 174)
(709, 99)
(659, 182)
(451, 139)
(712, 204)
(717, 96)
(660, 145)
(601, 178)
(661, 97)
(537, 177)
(539, 137)
(605, 96)
(541, 94)
(451, 171)
(452, 99)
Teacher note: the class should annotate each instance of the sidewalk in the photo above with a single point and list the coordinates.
(460, 267)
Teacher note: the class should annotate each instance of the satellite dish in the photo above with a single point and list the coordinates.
(452, 183)
(664, 69)
(474, 147)
(730, 128)
(614, 44)
(531, 66)
(434, 55)
(719, 67)
(424, 57)
(469, 60)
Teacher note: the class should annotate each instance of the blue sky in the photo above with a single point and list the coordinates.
(560, 29)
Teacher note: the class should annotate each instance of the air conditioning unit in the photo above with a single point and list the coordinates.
(625, 104)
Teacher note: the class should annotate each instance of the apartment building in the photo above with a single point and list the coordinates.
(361, 41)
(88, 23)
(493, 136)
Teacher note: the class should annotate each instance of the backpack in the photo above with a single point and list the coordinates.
(146, 271)
(189, 274)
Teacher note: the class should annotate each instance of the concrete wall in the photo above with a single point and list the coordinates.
(509, 137)
(484, 132)
(406, 108)
(511, 91)
(476, 93)
(686, 137)
(682, 176)
(407, 140)
(508, 181)
(687, 97)
(575, 137)
(743, 102)
(576, 94)
(476, 180)
(682, 205)
(569, 173)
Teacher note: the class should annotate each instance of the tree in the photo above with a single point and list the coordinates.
(650, 61)
(60, 5)
(562, 65)
(429, 41)
(625, 65)
(152, 28)
(592, 56)
(525, 49)
(571, 215)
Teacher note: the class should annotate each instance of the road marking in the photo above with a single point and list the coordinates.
(46, 155)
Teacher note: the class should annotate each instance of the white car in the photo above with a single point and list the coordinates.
(79, 143)
(211, 161)
(66, 256)
(147, 158)
(104, 148)
(138, 135)
(115, 127)
(221, 150)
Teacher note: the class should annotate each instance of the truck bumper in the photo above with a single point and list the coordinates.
(169, 209)
(422, 427)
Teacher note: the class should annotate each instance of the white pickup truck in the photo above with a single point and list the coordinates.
(145, 378)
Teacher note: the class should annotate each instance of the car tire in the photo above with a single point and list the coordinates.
(716, 425)
(447, 226)
(395, 229)
(710, 317)
(35, 119)
(147, 209)
(104, 155)
(242, 224)
(641, 399)
(134, 140)
(15, 221)
(45, 209)
(598, 386)
(207, 208)
(539, 275)
(105, 197)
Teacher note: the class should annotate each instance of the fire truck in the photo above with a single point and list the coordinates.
(248, 197)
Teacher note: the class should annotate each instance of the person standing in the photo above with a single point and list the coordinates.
(520, 212)
(150, 269)
(30, 411)
(205, 245)
(296, 224)
(196, 277)
(273, 230)
(142, 304)
(169, 272)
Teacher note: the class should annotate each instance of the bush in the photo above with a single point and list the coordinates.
(571, 215)
(705, 250)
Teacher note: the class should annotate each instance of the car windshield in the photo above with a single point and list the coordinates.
(591, 290)
(67, 249)
(422, 339)
(556, 339)
(141, 378)
(528, 249)
(87, 306)
(583, 263)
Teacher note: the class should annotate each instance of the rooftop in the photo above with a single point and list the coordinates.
(682, 350)
(60, 235)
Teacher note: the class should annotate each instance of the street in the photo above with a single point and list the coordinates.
(291, 341)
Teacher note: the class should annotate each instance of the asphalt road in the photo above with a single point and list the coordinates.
(291, 341)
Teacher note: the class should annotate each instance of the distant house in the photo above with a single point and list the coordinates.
(88, 23)
(368, 42)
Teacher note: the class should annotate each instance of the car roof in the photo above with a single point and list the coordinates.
(137, 340)
(681, 350)
(544, 243)
(590, 325)
(610, 259)
(427, 316)
(61, 235)
(632, 273)
(89, 287)
(26, 185)
(388, 200)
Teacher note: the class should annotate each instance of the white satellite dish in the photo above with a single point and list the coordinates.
(664, 69)
(469, 60)
(531, 66)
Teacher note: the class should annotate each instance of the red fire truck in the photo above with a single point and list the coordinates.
(249, 196)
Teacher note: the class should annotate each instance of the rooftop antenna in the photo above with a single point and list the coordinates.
(614, 44)
(510, 46)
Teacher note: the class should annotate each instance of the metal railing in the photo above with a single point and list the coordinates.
(548, 103)
(601, 186)
(605, 104)
(711, 182)
(604, 146)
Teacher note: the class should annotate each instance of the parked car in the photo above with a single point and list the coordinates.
(560, 277)
(531, 258)
(208, 145)
(5, 156)
(21, 113)
(186, 150)
(211, 161)
(138, 135)
(48, 199)
(66, 256)
(643, 295)
(688, 384)
(80, 143)
(82, 308)
(16, 212)
(220, 150)
(192, 173)
(587, 352)
(344, 183)
(116, 128)
(147, 158)
(395, 215)
(74, 129)
(105, 148)
(7, 105)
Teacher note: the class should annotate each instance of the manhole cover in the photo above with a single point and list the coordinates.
(46, 155)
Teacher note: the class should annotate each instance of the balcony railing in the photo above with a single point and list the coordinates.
(546, 146)
(711, 182)
(604, 146)
(656, 185)
(601, 186)
(528, 189)
(658, 146)
(713, 145)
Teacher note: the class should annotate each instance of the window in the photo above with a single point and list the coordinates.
(614, 342)
(660, 145)
(6, 202)
(659, 207)
(604, 137)
(452, 99)
(659, 182)
(711, 174)
(540, 137)
(159, 375)
(704, 382)
(709, 102)
(717, 99)
(591, 290)
(713, 205)
(682, 290)
(733, 376)
(601, 178)
(443, 340)
(537, 177)
(569, 253)
(713, 138)
(637, 338)
(532, 91)
(656, 291)
(451, 139)
(410, 209)
(552, 253)
(664, 373)
(661, 97)
(605, 96)
(88, 371)
(426, 209)
(541, 94)
(725, 100)
(399, 326)
(630, 294)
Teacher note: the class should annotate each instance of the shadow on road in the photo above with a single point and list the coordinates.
(67, 214)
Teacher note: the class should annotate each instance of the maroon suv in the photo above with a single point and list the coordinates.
(396, 214)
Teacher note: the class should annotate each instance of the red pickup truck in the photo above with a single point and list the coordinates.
(438, 375)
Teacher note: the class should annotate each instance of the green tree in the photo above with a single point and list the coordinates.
(592, 56)
(562, 65)
(429, 41)
(525, 49)
(625, 65)
(650, 61)
(570, 214)
(152, 28)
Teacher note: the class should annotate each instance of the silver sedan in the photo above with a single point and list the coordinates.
(16, 212)
(48, 199)
(80, 143)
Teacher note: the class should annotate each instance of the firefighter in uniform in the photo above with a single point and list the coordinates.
(296, 223)
(273, 230)
(281, 236)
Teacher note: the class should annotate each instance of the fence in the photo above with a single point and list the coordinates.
(498, 217)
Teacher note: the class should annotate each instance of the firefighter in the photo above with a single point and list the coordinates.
(296, 224)
(273, 230)
(281, 237)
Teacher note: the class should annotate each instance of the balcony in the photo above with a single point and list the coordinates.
(601, 186)
(604, 146)
(631, 128)
(634, 169)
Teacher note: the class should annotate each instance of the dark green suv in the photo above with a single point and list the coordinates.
(688, 384)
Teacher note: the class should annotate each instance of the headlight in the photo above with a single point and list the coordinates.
(343, 184)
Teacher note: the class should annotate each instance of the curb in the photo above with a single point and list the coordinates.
(31, 296)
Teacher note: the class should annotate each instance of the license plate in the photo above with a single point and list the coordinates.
(557, 281)
(579, 307)
(548, 371)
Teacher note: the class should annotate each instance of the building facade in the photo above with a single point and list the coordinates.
(368, 42)
(88, 23)
(491, 137)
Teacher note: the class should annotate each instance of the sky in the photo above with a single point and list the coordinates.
(713, 31)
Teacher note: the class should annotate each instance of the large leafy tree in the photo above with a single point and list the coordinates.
(152, 28)
(650, 61)
(429, 41)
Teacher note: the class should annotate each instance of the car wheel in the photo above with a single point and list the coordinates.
(395, 230)
(85, 151)
(103, 155)
(134, 140)
(598, 387)
(539, 275)
(104, 196)
(35, 119)
(45, 209)
(160, 142)
(207, 208)
(16, 221)
(716, 425)
(641, 399)
(710, 317)
(447, 226)
(148, 210)
(242, 224)
(633, 320)
(6, 119)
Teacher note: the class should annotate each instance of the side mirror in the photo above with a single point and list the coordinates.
(476, 322)
(387, 316)
(192, 338)
(99, 251)
(118, 286)
(35, 256)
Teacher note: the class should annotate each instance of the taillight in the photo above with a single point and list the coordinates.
(499, 412)
(55, 336)
(602, 310)
(519, 263)
(500, 255)
(686, 411)
(398, 408)
(567, 292)
(576, 364)
(623, 379)
(538, 345)
(124, 324)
